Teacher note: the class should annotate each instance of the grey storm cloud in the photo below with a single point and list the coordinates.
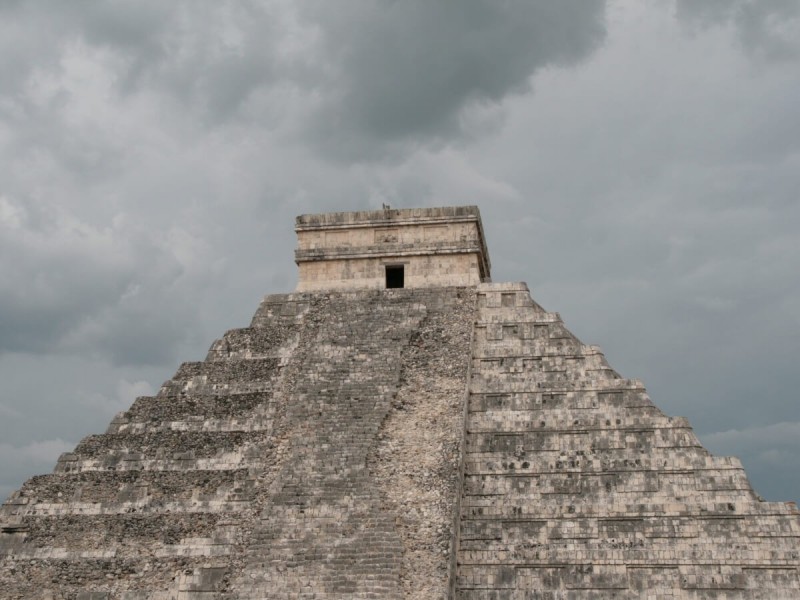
(406, 70)
(368, 72)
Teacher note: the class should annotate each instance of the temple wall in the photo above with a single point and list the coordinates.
(436, 246)
(379, 235)
(369, 273)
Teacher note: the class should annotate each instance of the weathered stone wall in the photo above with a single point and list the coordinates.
(577, 486)
(312, 454)
(370, 236)
(369, 273)
(438, 246)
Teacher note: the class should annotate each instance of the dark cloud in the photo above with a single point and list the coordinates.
(406, 70)
(210, 56)
(370, 73)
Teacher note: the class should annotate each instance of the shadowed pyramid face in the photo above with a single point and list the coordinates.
(426, 441)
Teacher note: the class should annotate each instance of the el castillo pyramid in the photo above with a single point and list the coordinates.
(399, 427)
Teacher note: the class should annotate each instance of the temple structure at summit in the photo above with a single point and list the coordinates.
(398, 427)
(418, 248)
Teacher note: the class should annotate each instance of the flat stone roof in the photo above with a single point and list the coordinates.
(393, 217)
(387, 217)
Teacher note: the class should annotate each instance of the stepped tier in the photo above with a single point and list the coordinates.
(576, 486)
(316, 449)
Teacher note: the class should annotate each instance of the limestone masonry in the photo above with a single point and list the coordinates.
(398, 427)
(432, 247)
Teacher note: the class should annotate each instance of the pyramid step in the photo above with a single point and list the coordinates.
(677, 484)
(269, 340)
(520, 384)
(87, 532)
(589, 420)
(111, 577)
(223, 377)
(484, 508)
(285, 309)
(573, 440)
(109, 492)
(625, 398)
(164, 408)
(595, 580)
(169, 443)
(713, 548)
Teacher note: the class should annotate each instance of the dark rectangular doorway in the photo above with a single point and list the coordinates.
(394, 276)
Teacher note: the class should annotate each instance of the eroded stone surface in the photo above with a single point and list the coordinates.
(435, 246)
(314, 454)
(577, 486)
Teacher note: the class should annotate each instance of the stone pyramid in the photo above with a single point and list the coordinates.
(399, 427)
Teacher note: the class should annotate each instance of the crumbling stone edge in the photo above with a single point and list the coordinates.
(452, 568)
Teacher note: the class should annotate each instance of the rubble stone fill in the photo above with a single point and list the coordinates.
(426, 442)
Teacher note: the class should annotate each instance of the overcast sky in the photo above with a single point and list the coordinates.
(636, 162)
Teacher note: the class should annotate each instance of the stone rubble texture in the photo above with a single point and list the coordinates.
(418, 443)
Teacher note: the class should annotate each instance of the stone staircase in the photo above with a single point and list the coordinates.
(332, 526)
(269, 469)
